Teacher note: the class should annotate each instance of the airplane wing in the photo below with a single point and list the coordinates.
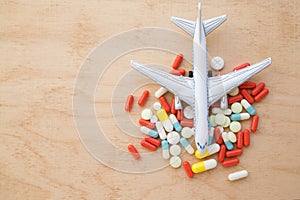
(218, 86)
(178, 85)
(189, 26)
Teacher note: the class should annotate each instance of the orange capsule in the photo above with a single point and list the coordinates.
(247, 96)
(222, 153)
(148, 145)
(179, 115)
(187, 123)
(231, 162)
(246, 137)
(165, 104)
(258, 88)
(235, 152)
(240, 140)
(218, 136)
(146, 123)
(175, 72)
(143, 98)
(182, 71)
(128, 104)
(247, 85)
(173, 111)
(133, 151)
(261, 95)
(188, 169)
(177, 61)
(236, 98)
(254, 123)
(241, 66)
(153, 141)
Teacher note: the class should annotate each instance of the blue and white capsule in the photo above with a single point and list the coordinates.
(175, 122)
(239, 116)
(165, 149)
(188, 147)
(250, 109)
(228, 144)
(210, 135)
(149, 132)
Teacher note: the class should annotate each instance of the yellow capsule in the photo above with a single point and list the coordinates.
(211, 149)
(204, 166)
(162, 115)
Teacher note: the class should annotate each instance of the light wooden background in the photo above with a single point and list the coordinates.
(43, 44)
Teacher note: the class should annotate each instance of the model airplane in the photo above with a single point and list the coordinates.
(200, 91)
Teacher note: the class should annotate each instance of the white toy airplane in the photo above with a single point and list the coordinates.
(200, 91)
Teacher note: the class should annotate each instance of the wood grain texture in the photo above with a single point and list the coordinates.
(43, 44)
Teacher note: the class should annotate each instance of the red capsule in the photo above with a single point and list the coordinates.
(179, 115)
(254, 123)
(258, 88)
(165, 104)
(241, 66)
(231, 162)
(177, 61)
(218, 135)
(173, 111)
(148, 145)
(247, 96)
(246, 137)
(175, 72)
(261, 95)
(128, 104)
(143, 98)
(247, 85)
(188, 169)
(133, 151)
(187, 122)
(240, 140)
(146, 123)
(235, 152)
(153, 141)
(182, 72)
(236, 98)
(222, 153)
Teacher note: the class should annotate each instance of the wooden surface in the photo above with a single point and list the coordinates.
(44, 43)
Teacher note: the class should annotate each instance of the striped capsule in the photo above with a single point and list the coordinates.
(240, 140)
(246, 138)
(235, 152)
(133, 151)
(165, 149)
(250, 109)
(239, 116)
(188, 147)
(165, 104)
(258, 89)
(226, 141)
(149, 131)
(177, 61)
(148, 145)
(241, 66)
(247, 96)
(204, 166)
(261, 95)
(143, 98)
(164, 118)
(188, 169)
(222, 153)
(211, 149)
(175, 123)
(129, 102)
(254, 123)
(231, 162)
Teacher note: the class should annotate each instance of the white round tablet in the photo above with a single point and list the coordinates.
(175, 162)
(156, 106)
(234, 91)
(187, 132)
(173, 137)
(146, 114)
(175, 150)
(235, 126)
(236, 107)
(227, 122)
(188, 112)
(220, 119)
(231, 136)
(153, 119)
(217, 63)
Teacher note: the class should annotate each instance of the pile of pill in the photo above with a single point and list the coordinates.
(171, 125)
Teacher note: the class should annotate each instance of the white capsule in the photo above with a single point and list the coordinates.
(178, 105)
(173, 137)
(237, 175)
(175, 122)
(161, 91)
(188, 112)
(175, 150)
(217, 63)
(146, 114)
(161, 131)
